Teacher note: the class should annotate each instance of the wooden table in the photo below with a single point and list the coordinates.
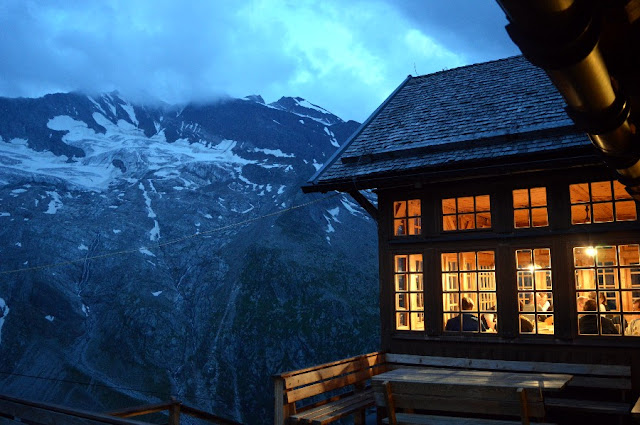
(459, 393)
(479, 378)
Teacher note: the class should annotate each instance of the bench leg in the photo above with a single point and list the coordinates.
(380, 413)
(360, 418)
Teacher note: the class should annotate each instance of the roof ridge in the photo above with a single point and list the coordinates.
(477, 64)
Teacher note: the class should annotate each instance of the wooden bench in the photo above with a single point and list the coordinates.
(322, 394)
(500, 402)
(584, 393)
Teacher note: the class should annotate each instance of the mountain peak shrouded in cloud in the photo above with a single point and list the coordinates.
(303, 108)
(182, 52)
(255, 98)
(158, 251)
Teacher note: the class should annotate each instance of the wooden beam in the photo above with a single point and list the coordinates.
(364, 203)
(200, 414)
(45, 413)
(141, 410)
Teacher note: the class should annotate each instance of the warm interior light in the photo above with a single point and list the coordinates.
(591, 251)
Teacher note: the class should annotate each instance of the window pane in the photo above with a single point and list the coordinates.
(483, 203)
(633, 325)
(465, 204)
(606, 256)
(579, 193)
(400, 209)
(619, 191)
(539, 197)
(415, 226)
(449, 206)
(607, 278)
(543, 279)
(401, 263)
(603, 213)
(526, 324)
(486, 260)
(542, 257)
(630, 278)
(521, 198)
(414, 208)
(521, 219)
(417, 321)
(467, 261)
(449, 222)
(601, 191)
(466, 221)
(581, 214)
(629, 255)
(416, 282)
(545, 324)
(450, 261)
(402, 302)
(584, 256)
(539, 217)
(626, 211)
(588, 324)
(450, 302)
(401, 282)
(585, 279)
(524, 258)
(415, 262)
(417, 301)
(450, 282)
(484, 220)
(525, 281)
(402, 321)
(400, 227)
(468, 282)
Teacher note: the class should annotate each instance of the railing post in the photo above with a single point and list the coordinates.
(174, 412)
(280, 409)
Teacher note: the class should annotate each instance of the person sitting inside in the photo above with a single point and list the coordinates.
(470, 321)
(588, 323)
(581, 301)
(633, 328)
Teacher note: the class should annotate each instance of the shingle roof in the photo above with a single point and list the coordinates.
(491, 112)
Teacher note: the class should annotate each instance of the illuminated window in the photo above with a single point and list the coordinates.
(600, 202)
(466, 213)
(406, 218)
(530, 208)
(535, 296)
(469, 291)
(608, 289)
(409, 293)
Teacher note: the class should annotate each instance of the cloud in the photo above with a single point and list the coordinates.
(345, 55)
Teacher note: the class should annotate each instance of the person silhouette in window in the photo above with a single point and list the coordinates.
(470, 322)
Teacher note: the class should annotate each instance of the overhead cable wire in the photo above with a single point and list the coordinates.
(170, 242)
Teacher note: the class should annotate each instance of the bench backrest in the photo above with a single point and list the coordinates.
(494, 401)
(305, 383)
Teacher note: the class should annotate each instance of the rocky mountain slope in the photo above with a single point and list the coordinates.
(151, 251)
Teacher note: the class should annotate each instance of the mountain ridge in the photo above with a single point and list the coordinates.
(187, 262)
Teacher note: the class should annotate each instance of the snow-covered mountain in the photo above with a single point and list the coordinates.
(150, 251)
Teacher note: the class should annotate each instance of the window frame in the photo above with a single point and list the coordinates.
(475, 212)
(589, 205)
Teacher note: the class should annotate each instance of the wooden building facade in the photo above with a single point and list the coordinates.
(502, 234)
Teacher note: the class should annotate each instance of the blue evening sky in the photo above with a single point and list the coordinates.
(344, 55)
